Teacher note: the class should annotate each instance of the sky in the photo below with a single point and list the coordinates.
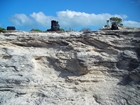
(71, 14)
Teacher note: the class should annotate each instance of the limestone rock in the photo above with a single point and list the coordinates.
(70, 68)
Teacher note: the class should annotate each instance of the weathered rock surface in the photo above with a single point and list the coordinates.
(73, 68)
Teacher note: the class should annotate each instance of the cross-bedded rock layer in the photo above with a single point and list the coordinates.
(70, 68)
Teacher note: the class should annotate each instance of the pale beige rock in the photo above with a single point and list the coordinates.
(70, 68)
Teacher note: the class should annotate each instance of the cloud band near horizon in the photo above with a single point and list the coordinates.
(68, 19)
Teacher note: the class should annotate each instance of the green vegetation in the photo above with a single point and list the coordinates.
(62, 30)
(66, 30)
(35, 30)
(112, 20)
(2, 29)
(85, 30)
(69, 30)
(106, 25)
(121, 25)
(116, 20)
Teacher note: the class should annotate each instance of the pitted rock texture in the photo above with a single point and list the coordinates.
(70, 68)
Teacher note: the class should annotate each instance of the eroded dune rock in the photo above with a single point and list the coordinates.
(70, 68)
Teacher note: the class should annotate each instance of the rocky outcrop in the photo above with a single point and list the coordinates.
(54, 26)
(114, 26)
(70, 68)
(11, 28)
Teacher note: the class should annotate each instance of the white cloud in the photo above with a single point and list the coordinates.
(69, 19)
(41, 18)
(130, 23)
(73, 18)
(20, 19)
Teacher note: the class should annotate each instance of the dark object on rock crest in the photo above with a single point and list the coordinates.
(11, 28)
(114, 26)
(54, 26)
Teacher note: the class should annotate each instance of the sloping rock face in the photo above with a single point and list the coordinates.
(73, 68)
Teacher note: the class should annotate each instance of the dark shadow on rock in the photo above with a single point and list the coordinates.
(56, 64)
(137, 34)
(132, 77)
(138, 52)
(114, 26)
(126, 80)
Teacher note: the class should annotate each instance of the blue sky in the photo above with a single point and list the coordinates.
(75, 14)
